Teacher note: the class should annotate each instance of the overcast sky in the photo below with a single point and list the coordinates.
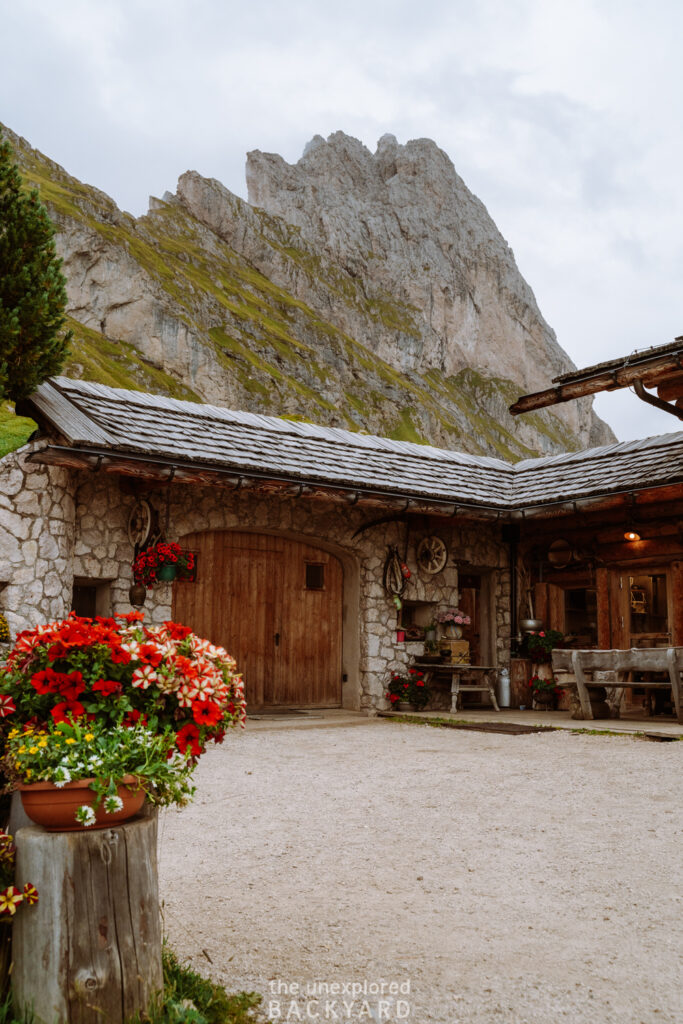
(563, 117)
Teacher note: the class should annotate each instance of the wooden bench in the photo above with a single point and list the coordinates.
(577, 666)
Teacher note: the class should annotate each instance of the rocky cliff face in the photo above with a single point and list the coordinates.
(366, 291)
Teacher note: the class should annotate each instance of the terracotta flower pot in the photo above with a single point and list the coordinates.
(54, 807)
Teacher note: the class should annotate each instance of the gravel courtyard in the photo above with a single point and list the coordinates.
(529, 879)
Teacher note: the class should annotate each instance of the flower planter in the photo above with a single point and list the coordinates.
(54, 807)
(453, 632)
(544, 700)
(167, 572)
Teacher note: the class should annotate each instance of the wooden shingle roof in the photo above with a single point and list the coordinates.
(98, 419)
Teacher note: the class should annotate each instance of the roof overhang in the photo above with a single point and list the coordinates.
(154, 469)
(660, 367)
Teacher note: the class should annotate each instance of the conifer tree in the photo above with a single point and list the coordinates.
(32, 288)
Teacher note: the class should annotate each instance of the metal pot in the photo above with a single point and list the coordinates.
(531, 625)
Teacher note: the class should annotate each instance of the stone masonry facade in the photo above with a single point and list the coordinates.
(58, 525)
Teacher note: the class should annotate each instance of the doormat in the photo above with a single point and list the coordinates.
(283, 713)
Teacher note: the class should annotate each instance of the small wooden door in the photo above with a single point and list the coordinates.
(641, 603)
(276, 606)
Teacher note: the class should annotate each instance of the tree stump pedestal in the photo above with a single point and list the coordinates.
(90, 950)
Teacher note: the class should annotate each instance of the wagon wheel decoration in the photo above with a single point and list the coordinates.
(432, 554)
(140, 524)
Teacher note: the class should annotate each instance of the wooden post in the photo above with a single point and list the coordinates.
(677, 602)
(520, 674)
(90, 950)
(602, 597)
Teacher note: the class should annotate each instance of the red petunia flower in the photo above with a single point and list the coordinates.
(176, 631)
(133, 717)
(71, 686)
(150, 654)
(7, 705)
(206, 712)
(106, 687)
(188, 736)
(132, 616)
(118, 655)
(57, 651)
(66, 710)
(46, 681)
(30, 894)
(10, 898)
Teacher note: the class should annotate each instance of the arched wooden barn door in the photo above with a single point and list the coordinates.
(276, 606)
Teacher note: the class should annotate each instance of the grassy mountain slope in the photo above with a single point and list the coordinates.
(163, 303)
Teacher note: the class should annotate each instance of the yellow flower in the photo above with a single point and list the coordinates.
(43, 743)
(13, 733)
(69, 740)
(29, 772)
(89, 736)
(22, 749)
(33, 750)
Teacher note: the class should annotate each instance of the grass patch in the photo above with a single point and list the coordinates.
(14, 430)
(189, 998)
(118, 365)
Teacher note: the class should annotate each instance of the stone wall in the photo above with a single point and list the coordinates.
(371, 653)
(36, 540)
(58, 526)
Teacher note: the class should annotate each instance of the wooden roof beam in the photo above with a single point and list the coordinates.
(624, 376)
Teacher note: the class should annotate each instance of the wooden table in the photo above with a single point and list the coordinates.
(456, 672)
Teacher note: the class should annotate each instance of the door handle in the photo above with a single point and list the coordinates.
(277, 639)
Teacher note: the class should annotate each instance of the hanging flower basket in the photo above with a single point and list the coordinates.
(162, 563)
